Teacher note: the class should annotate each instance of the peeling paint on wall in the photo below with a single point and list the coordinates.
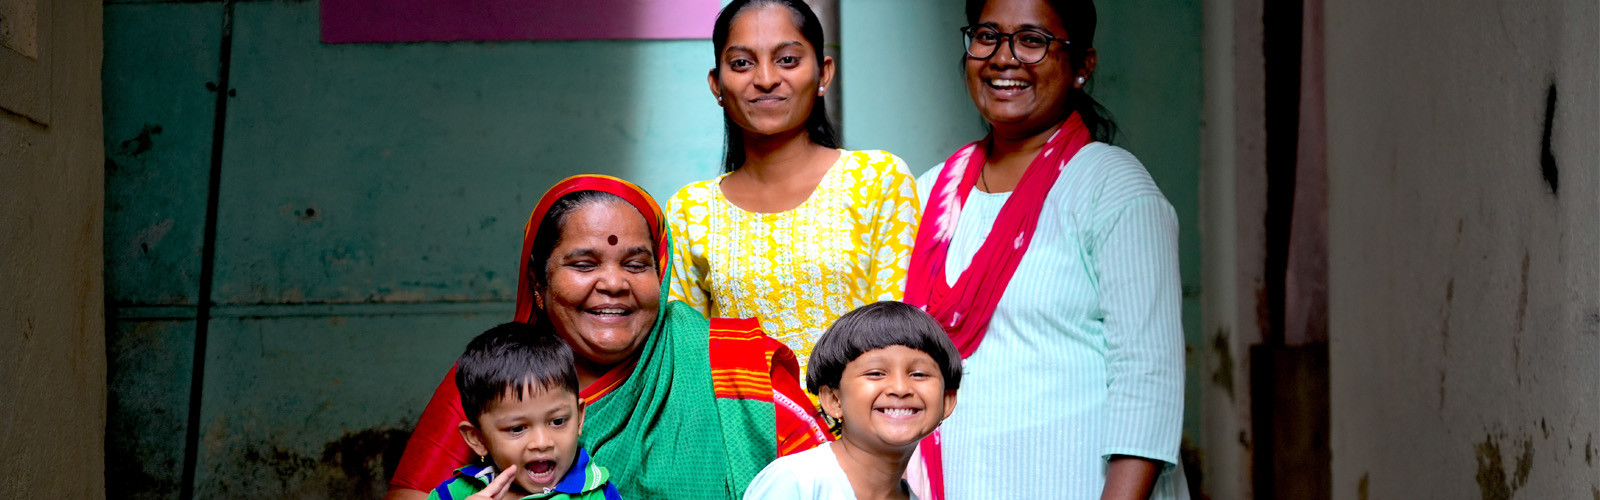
(1444, 330)
(1547, 157)
(355, 465)
(139, 144)
(1491, 476)
(1222, 356)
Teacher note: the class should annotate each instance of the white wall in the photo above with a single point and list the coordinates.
(52, 325)
(1464, 295)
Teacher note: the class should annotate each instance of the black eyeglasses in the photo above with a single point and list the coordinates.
(1029, 46)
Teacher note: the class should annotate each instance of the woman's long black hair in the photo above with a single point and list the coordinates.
(1079, 18)
(818, 128)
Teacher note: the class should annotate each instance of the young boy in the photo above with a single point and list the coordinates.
(520, 392)
(886, 374)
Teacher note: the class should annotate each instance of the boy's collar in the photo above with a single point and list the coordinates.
(575, 482)
(577, 477)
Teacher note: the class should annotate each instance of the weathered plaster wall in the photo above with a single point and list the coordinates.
(1232, 206)
(1464, 248)
(52, 326)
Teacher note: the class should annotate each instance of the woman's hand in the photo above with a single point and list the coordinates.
(1130, 478)
(498, 488)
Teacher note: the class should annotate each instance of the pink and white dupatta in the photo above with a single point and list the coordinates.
(964, 309)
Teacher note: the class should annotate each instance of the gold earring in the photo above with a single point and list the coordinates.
(538, 299)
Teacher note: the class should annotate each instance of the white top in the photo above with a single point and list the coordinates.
(810, 474)
(1083, 358)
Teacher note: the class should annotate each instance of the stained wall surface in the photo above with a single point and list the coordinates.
(1464, 248)
(52, 323)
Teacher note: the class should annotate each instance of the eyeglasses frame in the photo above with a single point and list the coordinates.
(969, 33)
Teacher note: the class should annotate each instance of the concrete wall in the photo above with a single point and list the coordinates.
(1464, 248)
(52, 325)
(1233, 206)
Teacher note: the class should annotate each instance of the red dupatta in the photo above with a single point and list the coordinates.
(964, 309)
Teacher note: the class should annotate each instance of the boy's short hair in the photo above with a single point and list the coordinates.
(512, 357)
(876, 326)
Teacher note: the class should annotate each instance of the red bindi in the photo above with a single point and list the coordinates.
(612, 240)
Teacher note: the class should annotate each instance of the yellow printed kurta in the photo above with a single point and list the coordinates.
(847, 245)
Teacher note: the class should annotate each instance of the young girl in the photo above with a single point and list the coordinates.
(797, 232)
(887, 375)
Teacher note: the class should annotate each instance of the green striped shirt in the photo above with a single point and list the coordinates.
(585, 481)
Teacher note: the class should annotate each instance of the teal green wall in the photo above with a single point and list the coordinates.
(372, 199)
(903, 92)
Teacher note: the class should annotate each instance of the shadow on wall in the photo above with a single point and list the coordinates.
(371, 203)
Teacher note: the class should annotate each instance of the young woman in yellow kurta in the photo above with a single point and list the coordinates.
(797, 232)
(846, 246)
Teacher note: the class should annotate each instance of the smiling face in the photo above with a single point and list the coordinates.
(602, 292)
(889, 399)
(1023, 99)
(537, 433)
(768, 76)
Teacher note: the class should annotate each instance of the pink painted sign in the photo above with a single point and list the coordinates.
(382, 21)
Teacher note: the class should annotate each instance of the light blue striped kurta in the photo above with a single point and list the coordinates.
(1084, 355)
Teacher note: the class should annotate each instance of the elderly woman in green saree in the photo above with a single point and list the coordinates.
(678, 406)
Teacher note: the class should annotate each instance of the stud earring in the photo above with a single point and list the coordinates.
(1080, 81)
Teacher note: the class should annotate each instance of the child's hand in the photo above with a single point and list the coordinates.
(498, 488)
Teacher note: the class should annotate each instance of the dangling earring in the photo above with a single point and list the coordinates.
(538, 299)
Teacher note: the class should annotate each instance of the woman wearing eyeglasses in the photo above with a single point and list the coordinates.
(1051, 258)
